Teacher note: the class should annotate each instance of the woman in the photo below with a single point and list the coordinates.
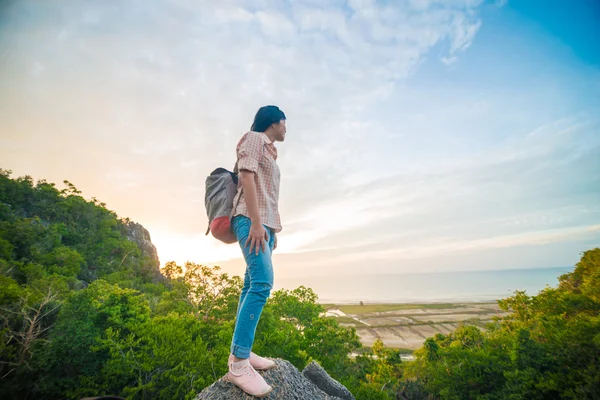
(255, 223)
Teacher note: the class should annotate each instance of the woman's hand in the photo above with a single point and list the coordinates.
(275, 241)
(257, 238)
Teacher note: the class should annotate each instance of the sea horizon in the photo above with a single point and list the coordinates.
(426, 287)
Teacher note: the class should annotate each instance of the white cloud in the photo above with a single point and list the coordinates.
(154, 95)
(275, 25)
(513, 189)
(232, 13)
(464, 31)
(442, 246)
(449, 60)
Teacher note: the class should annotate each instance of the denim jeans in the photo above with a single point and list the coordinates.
(258, 282)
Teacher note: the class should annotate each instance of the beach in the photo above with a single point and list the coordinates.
(406, 326)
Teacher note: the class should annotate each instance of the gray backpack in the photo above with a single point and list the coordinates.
(221, 187)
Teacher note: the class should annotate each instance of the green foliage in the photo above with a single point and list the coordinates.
(52, 243)
(585, 279)
(158, 368)
(383, 376)
(105, 307)
(292, 327)
(82, 314)
(9, 290)
(63, 233)
(547, 347)
(201, 291)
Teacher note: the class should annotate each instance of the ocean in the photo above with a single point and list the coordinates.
(460, 286)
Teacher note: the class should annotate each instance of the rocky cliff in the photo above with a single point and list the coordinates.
(288, 383)
(140, 236)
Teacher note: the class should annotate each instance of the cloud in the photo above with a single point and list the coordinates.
(275, 25)
(443, 246)
(139, 101)
(540, 182)
(464, 30)
(449, 60)
(153, 82)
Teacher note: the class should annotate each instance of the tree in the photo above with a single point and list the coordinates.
(165, 357)
(548, 346)
(200, 290)
(70, 362)
(26, 315)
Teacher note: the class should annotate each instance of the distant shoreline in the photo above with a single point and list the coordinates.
(411, 302)
(453, 272)
(424, 288)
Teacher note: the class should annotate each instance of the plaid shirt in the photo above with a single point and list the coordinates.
(256, 153)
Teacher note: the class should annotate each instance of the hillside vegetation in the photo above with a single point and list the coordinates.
(84, 312)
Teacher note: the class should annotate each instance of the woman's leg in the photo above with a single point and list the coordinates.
(244, 292)
(246, 285)
(260, 270)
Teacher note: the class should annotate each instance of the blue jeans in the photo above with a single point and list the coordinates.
(258, 282)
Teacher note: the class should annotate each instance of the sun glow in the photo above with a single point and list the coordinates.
(197, 248)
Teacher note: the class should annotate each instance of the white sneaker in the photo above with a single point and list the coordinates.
(244, 376)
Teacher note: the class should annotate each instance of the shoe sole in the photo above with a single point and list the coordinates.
(262, 395)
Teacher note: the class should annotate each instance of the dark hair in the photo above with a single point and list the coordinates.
(265, 117)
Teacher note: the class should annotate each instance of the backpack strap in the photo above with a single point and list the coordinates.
(235, 171)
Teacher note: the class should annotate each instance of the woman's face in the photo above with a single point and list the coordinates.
(280, 130)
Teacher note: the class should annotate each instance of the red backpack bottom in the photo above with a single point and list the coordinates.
(221, 229)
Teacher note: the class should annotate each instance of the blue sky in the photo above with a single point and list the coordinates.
(423, 135)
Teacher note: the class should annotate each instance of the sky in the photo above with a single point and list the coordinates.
(423, 135)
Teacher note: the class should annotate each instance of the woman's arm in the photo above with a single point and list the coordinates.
(258, 235)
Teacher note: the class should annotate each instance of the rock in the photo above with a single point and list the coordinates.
(288, 384)
(317, 375)
(103, 398)
(139, 235)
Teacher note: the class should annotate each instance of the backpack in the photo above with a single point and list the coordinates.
(221, 188)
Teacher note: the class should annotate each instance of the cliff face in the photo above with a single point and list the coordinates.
(139, 235)
(288, 384)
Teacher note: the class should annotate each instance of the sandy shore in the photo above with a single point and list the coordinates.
(407, 326)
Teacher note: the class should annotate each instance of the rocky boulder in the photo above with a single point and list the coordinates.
(288, 383)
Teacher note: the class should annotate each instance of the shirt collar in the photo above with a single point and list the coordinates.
(265, 138)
